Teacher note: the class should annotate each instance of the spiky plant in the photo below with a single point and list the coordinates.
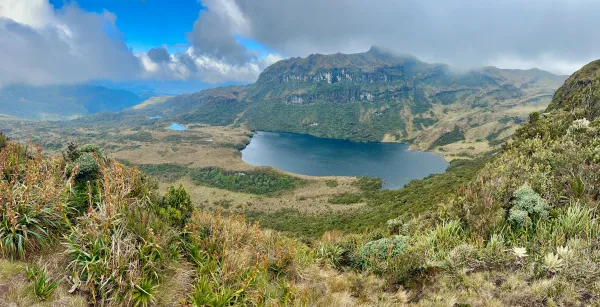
(331, 253)
(142, 294)
(43, 286)
(552, 262)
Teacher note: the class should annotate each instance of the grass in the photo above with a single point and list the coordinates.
(470, 236)
(130, 246)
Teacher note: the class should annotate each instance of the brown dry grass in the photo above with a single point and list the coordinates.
(310, 198)
(209, 146)
(152, 101)
(16, 290)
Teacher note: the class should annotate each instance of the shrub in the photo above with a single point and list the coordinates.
(368, 183)
(331, 183)
(3, 141)
(578, 125)
(261, 181)
(381, 250)
(84, 161)
(176, 206)
(527, 207)
(345, 199)
(165, 172)
(394, 225)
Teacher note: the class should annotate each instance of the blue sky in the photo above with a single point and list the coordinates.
(152, 23)
(147, 23)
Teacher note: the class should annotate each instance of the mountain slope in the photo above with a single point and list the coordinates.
(581, 90)
(374, 96)
(523, 231)
(63, 102)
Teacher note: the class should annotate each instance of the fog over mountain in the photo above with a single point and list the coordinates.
(234, 40)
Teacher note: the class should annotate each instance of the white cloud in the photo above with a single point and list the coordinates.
(547, 61)
(40, 45)
(557, 35)
(191, 64)
(34, 13)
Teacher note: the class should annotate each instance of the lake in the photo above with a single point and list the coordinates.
(177, 127)
(309, 155)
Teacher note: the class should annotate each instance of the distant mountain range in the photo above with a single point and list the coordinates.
(374, 96)
(59, 102)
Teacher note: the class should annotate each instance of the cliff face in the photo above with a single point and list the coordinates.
(373, 96)
(343, 77)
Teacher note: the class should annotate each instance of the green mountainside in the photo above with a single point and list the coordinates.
(60, 102)
(580, 91)
(374, 96)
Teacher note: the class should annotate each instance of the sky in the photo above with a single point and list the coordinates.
(186, 45)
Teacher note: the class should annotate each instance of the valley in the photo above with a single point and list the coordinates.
(376, 96)
(362, 97)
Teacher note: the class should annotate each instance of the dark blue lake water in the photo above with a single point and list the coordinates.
(309, 155)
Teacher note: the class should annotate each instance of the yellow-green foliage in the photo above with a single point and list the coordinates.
(176, 206)
(527, 224)
(121, 250)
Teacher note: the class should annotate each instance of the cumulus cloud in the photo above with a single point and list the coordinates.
(193, 64)
(463, 33)
(40, 45)
(215, 30)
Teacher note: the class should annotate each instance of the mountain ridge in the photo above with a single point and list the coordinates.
(374, 96)
(61, 102)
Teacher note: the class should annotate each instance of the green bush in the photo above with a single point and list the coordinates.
(368, 183)
(176, 206)
(165, 172)
(91, 148)
(345, 199)
(449, 138)
(527, 207)
(381, 250)
(85, 160)
(3, 141)
(262, 181)
(331, 183)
